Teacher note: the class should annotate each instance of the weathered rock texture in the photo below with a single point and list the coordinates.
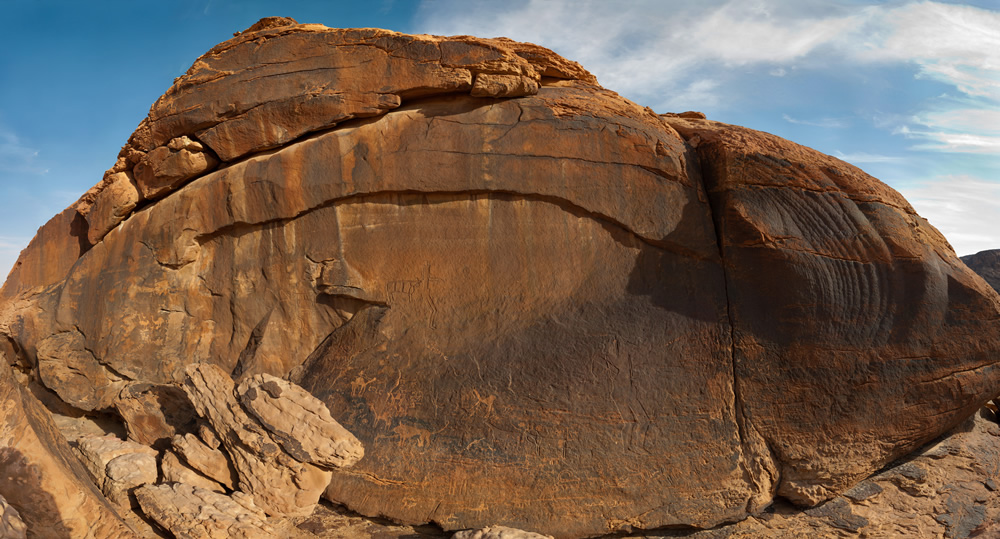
(281, 485)
(536, 304)
(209, 461)
(117, 466)
(299, 422)
(285, 469)
(498, 532)
(194, 513)
(947, 489)
(987, 265)
(11, 525)
(41, 478)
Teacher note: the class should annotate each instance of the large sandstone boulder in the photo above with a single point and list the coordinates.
(534, 303)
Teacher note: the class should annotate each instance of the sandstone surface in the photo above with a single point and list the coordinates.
(300, 422)
(534, 303)
(498, 532)
(279, 484)
(842, 299)
(153, 413)
(117, 466)
(40, 477)
(190, 512)
(11, 525)
(987, 265)
(175, 470)
(209, 461)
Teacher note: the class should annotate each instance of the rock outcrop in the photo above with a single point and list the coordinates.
(279, 483)
(41, 479)
(987, 265)
(534, 303)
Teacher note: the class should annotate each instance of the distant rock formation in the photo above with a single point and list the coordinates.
(987, 265)
(529, 302)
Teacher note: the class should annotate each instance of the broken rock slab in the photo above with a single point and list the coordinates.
(11, 525)
(300, 422)
(166, 168)
(208, 461)
(190, 512)
(117, 466)
(174, 470)
(112, 205)
(279, 484)
(498, 532)
(153, 412)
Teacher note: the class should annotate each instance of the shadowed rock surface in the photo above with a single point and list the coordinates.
(987, 265)
(534, 303)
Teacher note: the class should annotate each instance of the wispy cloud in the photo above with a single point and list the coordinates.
(821, 122)
(650, 49)
(16, 157)
(864, 158)
(963, 207)
(646, 48)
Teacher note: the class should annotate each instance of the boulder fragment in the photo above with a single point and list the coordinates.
(41, 478)
(208, 461)
(166, 168)
(153, 412)
(190, 512)
(278, 483)
(300, 422)
(117, 466)
(11, 525)
(112, 205)
(498, 532)
(175, 470)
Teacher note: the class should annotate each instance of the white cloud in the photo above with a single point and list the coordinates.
(649, 49)
(821, 122)
(17, 158)
(646, 49)
(964, 208)
(956, 44)
(856, 158)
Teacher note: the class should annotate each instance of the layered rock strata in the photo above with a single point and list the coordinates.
(534, 303)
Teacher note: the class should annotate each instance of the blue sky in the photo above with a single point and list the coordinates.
(907, 90)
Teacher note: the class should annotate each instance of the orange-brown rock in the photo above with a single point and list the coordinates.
(842, 299)
(112, 205)
(278, 483)
(41, 478)
(534, 303)
(208, 461)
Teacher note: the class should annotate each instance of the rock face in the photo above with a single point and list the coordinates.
(534, 303)
(987, 265)
(41, 479)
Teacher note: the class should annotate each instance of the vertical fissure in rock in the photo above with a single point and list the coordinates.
(710, 182)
